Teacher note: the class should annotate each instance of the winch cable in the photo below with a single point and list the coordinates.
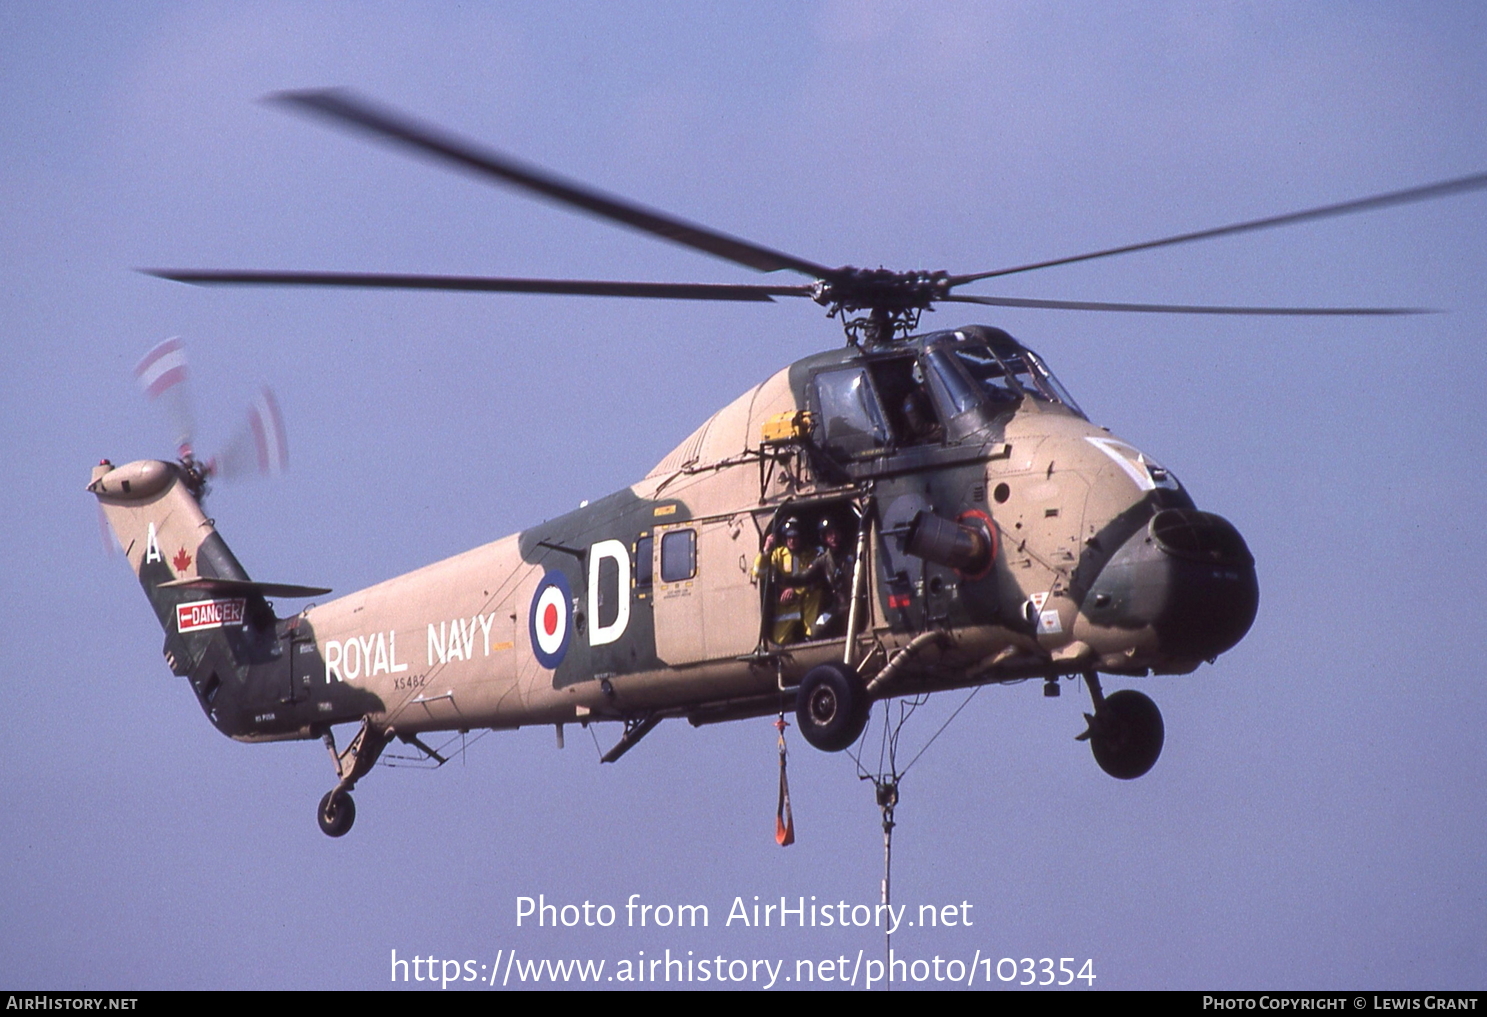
(962, 706)
(886, 784)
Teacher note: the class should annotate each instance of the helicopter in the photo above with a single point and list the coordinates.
(905, 514)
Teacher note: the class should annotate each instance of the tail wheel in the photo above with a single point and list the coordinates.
(1126, 734)
(337, 813)
(832, 707)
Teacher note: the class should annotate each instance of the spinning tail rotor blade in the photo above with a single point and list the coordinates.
(163, 375)
(106, 537)
(260, 447)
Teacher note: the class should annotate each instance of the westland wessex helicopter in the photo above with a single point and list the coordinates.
(983, 530)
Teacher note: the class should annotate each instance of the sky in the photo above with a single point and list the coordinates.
(1315, 821)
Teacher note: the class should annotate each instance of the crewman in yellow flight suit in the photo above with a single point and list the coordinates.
(796, 583)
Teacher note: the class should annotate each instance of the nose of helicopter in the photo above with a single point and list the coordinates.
(1189, 576)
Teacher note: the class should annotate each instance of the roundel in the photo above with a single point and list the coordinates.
(550, 621)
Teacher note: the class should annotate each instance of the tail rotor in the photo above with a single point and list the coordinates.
(259, 447)
(163, 375)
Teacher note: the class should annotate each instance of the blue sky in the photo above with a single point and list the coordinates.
(1315, 820)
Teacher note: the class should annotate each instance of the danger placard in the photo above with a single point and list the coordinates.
(209, 614)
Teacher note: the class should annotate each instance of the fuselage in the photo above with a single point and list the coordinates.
(982, 504)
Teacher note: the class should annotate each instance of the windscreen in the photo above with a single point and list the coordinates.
(1008, 374)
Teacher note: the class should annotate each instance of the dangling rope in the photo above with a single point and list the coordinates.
(784, 818)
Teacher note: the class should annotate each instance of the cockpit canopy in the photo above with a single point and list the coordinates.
(941, 388)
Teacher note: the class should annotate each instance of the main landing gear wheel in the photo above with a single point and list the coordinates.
(337, 813)
(832, 707)
(337, 810)
(1126, 734)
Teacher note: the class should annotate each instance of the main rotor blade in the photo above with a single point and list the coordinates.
(1093, 305)
(483, 284)
(348, 109)
(1446, 188)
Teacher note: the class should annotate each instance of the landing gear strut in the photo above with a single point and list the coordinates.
(1125, 732)
(337, 810)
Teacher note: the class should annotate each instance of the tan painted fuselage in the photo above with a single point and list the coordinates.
(990, 534)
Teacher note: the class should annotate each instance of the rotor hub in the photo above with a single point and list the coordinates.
(893, 300)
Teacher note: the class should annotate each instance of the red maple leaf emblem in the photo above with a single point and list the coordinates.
(182, 560)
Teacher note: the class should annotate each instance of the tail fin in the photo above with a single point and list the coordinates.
(220, 630)
(153, 510)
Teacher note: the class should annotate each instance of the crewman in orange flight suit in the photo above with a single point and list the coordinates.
(796, 584)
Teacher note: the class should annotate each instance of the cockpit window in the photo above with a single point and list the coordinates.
(851, 418)
(1007, 375)
(1003, 380)
(954, 390)
(1059, 392)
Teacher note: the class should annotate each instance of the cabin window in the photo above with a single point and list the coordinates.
(678, 556)
(644, 566)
